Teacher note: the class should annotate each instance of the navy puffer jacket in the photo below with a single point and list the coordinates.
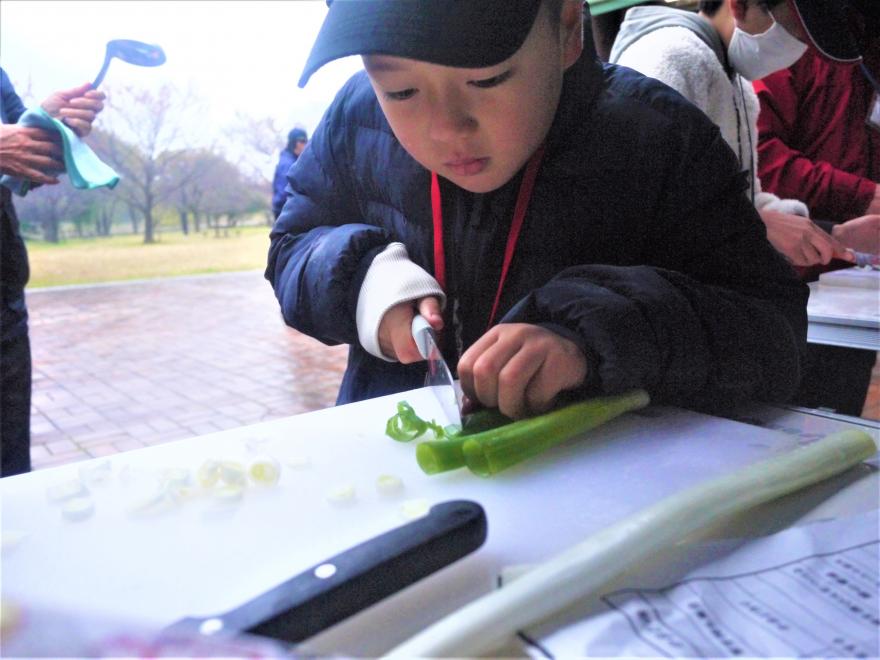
(639, 244)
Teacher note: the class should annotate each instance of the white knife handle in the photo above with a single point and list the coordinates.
(421, 330)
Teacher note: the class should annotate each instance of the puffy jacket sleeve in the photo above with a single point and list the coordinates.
(828, 191)
(712, 318)
(321, 247)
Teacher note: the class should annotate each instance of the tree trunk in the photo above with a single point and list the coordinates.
(149, 235)
(50, 230)
(133, 215)
(184, 223)
(197, 218)
(106, 223)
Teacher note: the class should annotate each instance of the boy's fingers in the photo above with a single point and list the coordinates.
(517, 377)
(468, 360)
(487, 372)
(405, 346)
(430, 308)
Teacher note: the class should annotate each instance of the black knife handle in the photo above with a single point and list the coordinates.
(354, 579)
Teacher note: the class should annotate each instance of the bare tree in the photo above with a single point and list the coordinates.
(48, 206)
(143, 137)
(258, 140)
(196, 169)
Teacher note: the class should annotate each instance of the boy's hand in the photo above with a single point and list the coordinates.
(395, 329)
(76, 107)
(520, 368)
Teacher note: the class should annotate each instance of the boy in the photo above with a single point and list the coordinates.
(568, 226)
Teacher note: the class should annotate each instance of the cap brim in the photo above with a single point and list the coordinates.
(827, 29)
(460, 33)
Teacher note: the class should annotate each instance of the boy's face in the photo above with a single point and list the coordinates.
(478, 127)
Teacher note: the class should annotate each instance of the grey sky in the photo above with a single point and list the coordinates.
(237, 55)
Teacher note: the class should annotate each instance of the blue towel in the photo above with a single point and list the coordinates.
(85, 169)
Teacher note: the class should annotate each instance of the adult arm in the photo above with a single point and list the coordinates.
(784, 169)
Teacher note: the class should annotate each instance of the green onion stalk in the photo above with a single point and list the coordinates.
(487, 452)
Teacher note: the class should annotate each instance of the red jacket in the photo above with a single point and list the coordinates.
(813, 142)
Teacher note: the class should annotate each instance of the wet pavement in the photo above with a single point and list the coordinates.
(122, 366)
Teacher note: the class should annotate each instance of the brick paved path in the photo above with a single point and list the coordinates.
(130, 365)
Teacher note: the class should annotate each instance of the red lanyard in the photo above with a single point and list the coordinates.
(519, 214)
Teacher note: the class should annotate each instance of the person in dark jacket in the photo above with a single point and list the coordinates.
(28, 153)
(569, 226)
(296, 142)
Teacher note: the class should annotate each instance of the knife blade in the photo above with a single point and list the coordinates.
(866, 259)
(439, 377)
(351, 581)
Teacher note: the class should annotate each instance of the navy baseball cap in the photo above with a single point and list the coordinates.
(828, 29)
(297, 134)
(460, 33)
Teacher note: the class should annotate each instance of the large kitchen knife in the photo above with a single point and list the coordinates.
(439, 377)
(352, 580)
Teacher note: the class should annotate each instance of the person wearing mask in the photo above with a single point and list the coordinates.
(297, 139)
(709, 57)
(819, 127)
(819, 140)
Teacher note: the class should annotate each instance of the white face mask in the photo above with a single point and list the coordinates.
(755, 56)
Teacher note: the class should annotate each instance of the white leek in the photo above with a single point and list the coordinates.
(582, 570)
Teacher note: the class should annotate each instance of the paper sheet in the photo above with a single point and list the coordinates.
(806, 591)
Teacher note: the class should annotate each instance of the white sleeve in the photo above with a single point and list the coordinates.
(765, 201)
(391, 279)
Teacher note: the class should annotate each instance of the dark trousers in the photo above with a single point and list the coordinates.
(15, 348)
(15, 383)
(836, 378)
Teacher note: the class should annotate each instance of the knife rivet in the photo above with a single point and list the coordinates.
(324, 571)
(211, 626)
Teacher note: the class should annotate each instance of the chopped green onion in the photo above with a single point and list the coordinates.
(436, 456)
(405, 425)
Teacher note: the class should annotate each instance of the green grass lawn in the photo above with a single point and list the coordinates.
(92, 260)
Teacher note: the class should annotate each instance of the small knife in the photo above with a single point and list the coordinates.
(351, 581)
(866, 259)
(439, 377)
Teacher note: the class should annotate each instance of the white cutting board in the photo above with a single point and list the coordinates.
(863, 278)
(200, 560)
(834, 301)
